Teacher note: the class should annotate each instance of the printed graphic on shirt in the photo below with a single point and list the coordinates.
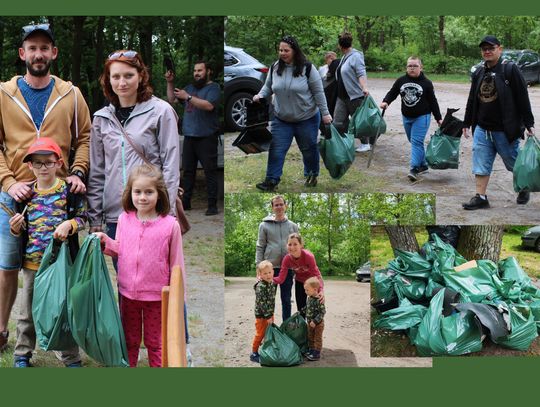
(410, 93)
(488, 91)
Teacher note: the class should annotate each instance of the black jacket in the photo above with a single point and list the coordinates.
(512, 95)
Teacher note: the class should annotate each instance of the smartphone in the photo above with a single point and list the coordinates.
(168, 64)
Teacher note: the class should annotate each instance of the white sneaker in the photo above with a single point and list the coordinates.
(189, 357)
(363, 148)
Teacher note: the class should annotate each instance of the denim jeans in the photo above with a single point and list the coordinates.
(10, 246)
(305, 133)
(486, 145)
(416, 129)
(285, 291)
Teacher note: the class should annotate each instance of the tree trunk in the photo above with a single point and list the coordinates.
(145, 41)
(76, 50)
(402, 237)
(97, 93)
(442, 39)
(481, 242)
(329, 227)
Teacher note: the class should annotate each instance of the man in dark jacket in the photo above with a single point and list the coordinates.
(498, 109)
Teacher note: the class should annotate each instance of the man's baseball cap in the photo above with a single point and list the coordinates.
(31, 29)
(43, 145)
(489, 39)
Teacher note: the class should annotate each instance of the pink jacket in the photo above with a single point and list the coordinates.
(303, 267)
(146, 253)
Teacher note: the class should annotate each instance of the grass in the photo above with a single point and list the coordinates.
(528, 259)
(456, 78)
(210, 248)
(243, 172)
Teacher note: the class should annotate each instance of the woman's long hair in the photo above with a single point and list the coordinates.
(299, 59)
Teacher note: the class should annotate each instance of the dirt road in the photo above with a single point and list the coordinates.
(346, 338)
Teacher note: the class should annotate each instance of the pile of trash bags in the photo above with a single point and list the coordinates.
(283, 346)
(449, 306)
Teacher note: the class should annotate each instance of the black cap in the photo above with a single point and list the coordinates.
(31, 29)
(489, 39)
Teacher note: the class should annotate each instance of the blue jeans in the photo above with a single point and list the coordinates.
(10, 246)
(486, 145)
(285, 291)
(416, 129)
(305, 133)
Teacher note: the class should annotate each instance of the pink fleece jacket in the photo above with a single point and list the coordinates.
(146, 253)
(304, 267)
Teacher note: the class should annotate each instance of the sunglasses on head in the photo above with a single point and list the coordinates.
(123, 54)
(289, 40)
(34, 27)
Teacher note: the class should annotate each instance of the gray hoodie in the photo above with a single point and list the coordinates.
(352, 67)
(272, 240)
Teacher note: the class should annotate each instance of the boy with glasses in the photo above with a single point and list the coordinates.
(418, 102)
(51, 212)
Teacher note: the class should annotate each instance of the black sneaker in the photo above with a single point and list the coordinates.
(476, 203)
(4, 340)
(268, 185)
(75, 364)
(22, 361)
(212, 210)
(314, 355)
(254, 357)
(311, 181)
(413, 174)
(423, 169)
(523, 197)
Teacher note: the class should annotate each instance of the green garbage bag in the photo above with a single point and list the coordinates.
(407, 287)
(456, 334)
(384, 286)
(410, 264)
(442, 151)
(523, 327)
(405, 316)
(431, 287)
(337, 152)
(278, 349)
(367, 121)
(443, 256)
(527, 167)
(295, 327)
(49, 304)
(92, 310)
(474, 284)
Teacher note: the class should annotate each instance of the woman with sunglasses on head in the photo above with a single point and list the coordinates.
(134, 123)
(299, 103)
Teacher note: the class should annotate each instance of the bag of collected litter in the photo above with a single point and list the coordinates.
(475, 283)
(523, 327)
(442, 151)
(384, 286)
(451, 125)
(278, 349)
(367, 121)
(456, 334)
(92, 309)
(407, 287)
(405, 316)
(442, 255)
(295, 327)
(410, 264)
(49, 305)
(527, 167)
(337, 152)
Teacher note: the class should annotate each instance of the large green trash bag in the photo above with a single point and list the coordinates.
(278, 349)
(523, 327)
(337, 152)
(432, 287)
(410, 264)
(49, 305)
(457, 334)
(510, 270)
(527, 167)
(384, 285)
(442, 151)
(367, 121)
(408, 287)
(405, 316)
(474, 284)
(443, 256)
(93, 313)
(295, 327)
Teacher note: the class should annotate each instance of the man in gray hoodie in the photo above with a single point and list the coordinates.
(274, 231)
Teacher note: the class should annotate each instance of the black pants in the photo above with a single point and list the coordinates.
(203, 149)
(301, 297)
(285, 291)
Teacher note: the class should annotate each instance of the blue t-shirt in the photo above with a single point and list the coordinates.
(198, 122)
(36, 99)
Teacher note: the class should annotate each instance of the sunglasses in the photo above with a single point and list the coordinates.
(289, 40)
(123, 54)
(33, 27)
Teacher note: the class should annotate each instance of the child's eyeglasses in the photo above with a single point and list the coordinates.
(123, 54)
(39, 164)
(34, 27)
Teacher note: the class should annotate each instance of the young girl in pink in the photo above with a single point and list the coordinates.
(148, 244)
(303, 263)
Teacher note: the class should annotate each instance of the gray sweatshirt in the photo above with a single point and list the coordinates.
(295, 99)
(272, 240)
(352, 67)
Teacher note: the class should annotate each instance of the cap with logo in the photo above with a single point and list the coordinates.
(43, 145)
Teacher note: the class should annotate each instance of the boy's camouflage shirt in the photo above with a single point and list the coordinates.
(314, 310)
(265, 299)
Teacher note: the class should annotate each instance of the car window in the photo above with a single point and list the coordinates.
(528, 57)
(229, 60)
(510, 55)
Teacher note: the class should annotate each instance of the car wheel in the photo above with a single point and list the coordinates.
(235, 111)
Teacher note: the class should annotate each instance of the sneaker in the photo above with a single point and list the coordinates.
(314, 355)
(311, 181)
(75, 364)
(476, 203)
(22, 361)
(523, 197)
(254, 357)
(362, 148)
(413, 174)
(268, 185)
(4, 340)
(212, 210)
(422, 169)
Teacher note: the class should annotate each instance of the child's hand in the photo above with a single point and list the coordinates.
(270, 320)
(102, 236)
(312, 324)
(63, 230)
(16, 223)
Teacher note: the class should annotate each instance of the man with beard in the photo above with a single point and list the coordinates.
(35, 105)
(200, 127)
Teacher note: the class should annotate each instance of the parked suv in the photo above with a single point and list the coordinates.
(531, 238)
(527, 61)
(244, 76)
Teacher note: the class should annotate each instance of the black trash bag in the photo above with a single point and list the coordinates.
(257, 113)
(448, 233)
(253, 141)
(451, 126)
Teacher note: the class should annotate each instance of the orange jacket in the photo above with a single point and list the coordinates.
(18, 131)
